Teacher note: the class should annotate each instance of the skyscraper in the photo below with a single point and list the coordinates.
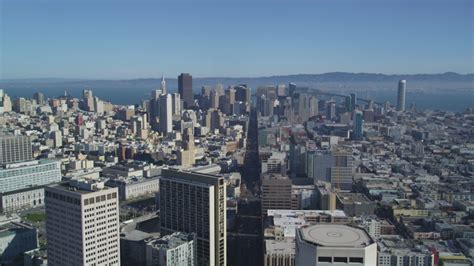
(313, 106)
(229, 101)
(341, 171)
(15, 149)
(185, 89)
(350, 102)
(242, 94)
(87, 100)
(330, 166)
(276, 192)
(39, 97)
(186, 154)
(166, 114)
(196, 203)
(82, 224)
(154, 109)
(331, 110)
(176, 99)
(214, 99)
(358, 125)
(353, 101)
(163, 85)
(402, 87)
(5, 102)
(292, 88)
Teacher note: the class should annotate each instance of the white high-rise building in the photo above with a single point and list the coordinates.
(166, 114)
(163, 85)
(5, 103)
(193, 202)
(176, 98)
(82, 224)
(98, 106)
(402, 87)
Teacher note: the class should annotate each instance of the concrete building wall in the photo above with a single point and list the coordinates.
(15, 149)
(82, 228)
(35, 173)
(21, 199)
(194, 202)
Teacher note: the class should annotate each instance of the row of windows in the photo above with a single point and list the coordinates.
(341, 259)
(100, 198)
(63, 198)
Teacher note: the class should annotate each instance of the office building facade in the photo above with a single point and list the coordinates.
(29, 174)
(185, 89)
(166, 114)
(21, 199)
(15, 149)
(276, 192)
(16, 238)
(402, 87)
(82, 224)
(334, 166)
(193, 202)
(358, 124)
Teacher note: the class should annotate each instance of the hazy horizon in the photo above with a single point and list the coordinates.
(238, 77)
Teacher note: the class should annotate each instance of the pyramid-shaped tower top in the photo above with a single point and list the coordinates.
(163, 85)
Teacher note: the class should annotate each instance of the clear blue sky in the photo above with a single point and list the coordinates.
(133, 39)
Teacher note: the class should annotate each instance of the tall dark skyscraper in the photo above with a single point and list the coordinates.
(193, 202)
(358, 126)
(39, 97)
(185, 89)
(353, 101)
(292, 88)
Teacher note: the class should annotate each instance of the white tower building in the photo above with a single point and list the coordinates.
(82, 224)
(166, 114)
(402, 87)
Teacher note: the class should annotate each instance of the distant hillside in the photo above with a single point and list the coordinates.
(340, 80)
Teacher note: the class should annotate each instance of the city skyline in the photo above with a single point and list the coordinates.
(152, 133)
(149, 39)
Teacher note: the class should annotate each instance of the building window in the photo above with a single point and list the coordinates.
(340, 259)
(356, 260)
(324, 259)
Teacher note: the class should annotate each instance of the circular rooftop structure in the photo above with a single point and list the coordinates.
(335, 235)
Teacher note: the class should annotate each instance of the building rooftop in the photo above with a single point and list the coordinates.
(352, 198)
(14, 228)
(171, 241)
(28, 163)
(289, 220)
(281, 246)
(468, 242)
(206, 169)
(335, 235)
(196, 177)
(132, 179)
(82, 186)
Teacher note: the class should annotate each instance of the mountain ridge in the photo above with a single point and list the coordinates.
(328, 76)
